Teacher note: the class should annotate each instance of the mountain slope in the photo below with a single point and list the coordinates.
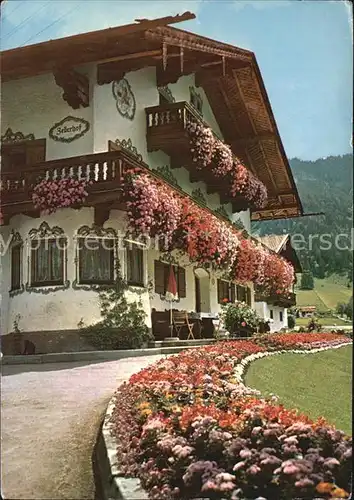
(324, 185)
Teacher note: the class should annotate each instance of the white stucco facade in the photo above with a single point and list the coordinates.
(33, 106)
(65, 308)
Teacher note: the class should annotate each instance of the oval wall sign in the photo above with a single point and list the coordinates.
(69, 129)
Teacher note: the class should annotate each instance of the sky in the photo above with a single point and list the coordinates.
(303, 48)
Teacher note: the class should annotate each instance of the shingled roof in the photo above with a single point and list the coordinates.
(275, 242)
(281, 244)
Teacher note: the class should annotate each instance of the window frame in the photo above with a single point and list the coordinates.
(79, 259)
(195, 100)
(231, 291)
(128, 248)
(178, 270)
(33, 261)
(271, 313)
(281, 316)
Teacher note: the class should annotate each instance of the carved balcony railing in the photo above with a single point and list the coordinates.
(288, 300)
(103, 169)
(166, 130)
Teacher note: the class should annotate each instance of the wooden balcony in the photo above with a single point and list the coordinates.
(166, 127)
(276, 300)
(103, 169)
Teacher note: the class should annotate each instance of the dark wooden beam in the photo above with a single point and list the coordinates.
(75, 85)
(210, 72)
(101, 214)
(131, 56)
(254, 139)
(115, 71)
(192, 62)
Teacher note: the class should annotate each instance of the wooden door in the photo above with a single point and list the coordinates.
(22, 155)
(35, 152)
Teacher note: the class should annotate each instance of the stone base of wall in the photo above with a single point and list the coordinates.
(45, 342)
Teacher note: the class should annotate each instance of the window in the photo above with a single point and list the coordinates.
(21, 154)
(162, 271)
(281, 316)
(16, 266)
(226, 290)
(271, 314)
(47, 261)
(241, 293)
(135, 265)
(96, 261)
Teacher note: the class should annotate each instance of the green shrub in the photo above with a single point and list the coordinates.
(123, 323)
(240, 319)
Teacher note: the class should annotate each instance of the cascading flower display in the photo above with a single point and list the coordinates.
(222, 158)
(187, 427)
(210, 152)
(202, 144)
(246, 184)
(49, 195)
(156, 209)
(278, 275)
(153, 207)
(246, 264)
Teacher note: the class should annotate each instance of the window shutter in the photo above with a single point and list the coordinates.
(35, 151)
(233, 292)
(181, 282)
(248, 296)
(159, 277)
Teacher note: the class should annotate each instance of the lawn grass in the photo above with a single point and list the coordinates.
(332, 293)
(325, 295)
(310, 298)
(325, 321)
(317, 384)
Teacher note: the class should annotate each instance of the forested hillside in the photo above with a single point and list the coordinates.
(325, 185)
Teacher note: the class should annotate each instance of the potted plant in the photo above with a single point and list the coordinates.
(240, 319)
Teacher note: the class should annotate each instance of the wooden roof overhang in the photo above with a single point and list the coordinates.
(230, 77)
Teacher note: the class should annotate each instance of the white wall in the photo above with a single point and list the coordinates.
(263, 309)
(180, 91)
(34, 105)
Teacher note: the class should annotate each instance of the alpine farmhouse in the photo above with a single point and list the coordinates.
(144, 111)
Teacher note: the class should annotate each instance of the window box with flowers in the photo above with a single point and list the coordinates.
(240, 320)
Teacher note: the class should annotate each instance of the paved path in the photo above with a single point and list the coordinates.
(49, 422)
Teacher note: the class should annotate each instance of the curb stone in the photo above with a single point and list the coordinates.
(123, 488)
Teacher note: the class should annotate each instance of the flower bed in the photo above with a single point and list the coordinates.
(188, 428)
